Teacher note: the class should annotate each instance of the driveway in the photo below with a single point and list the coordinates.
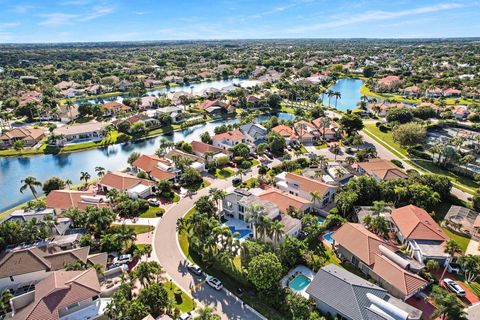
(167, 252)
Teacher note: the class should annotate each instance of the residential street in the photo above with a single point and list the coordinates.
(169, 255)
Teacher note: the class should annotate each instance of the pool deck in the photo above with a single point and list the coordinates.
(300, 269)
(238, 225)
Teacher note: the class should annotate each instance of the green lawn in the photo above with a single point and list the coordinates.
(183, 238)
(186, 304)
(461, 239)
(138, 229)
(150, 213)
(250, 183)
(322, 146)
(224, 173)
(255, 162)
(385, 139)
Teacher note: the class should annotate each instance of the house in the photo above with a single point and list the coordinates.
(68, 113)
(61, 224)
(132, 186)
(112, 108)
(202, 149)
(464, 220)
(92, 131)
(306, 132)
(252, 101)
(30, 136)
(388, 83)
(30, 97)
(422, 236)
(254, 133)
(377, 258)
(412, 91)
(63, 85)
(156, 168)
(197, 162)
(62, 295)
(228, 140)
(434, 93)
(24, 267)
(178, 97)
(61, 200)
(342, 294)
(460, 112)
(94, 89)
(284, 201)
(236, 206)
(452, 93)
(304, 187)
(214, 107)
(176, 113)
(380, 170)
(286, 132)
(148, 102)
(329, 133)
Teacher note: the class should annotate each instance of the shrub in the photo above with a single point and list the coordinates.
(383, 128)
(398, 163)
(160, 212)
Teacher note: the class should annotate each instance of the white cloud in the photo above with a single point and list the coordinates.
(7, 25)
(375, 16)
(22, 8)
(59, 19)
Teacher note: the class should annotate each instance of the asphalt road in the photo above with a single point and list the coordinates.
(170, 256)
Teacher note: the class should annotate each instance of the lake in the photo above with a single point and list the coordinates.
(350, 91)
(194, 88)
(69, 166)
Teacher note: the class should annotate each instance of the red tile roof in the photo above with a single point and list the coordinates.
(309, 185)
(66, 199)
(404, 281)
(360, 242)
(115, 105)
(235, 135)
(123, 181)
(201, 147)
(284, 200)
(383, 169)
(416, 224)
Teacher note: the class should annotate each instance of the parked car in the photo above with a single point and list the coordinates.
(154, 202)
(195, 269)
(185, 316)
(214, 283)
(454, 287)
(123, 259)
(236, 181)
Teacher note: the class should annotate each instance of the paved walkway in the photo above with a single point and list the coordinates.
(167, 252)
(139, 221)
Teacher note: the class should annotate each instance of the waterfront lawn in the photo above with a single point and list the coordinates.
(224, 173)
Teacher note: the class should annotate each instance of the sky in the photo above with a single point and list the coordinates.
(36, 21)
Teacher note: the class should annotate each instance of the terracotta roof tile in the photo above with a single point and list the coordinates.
(309, 185)
(283, 200)
(415, 223)
(123, 181)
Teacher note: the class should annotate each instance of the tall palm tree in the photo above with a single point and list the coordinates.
(147, 272)
(69, 183)
(337, 96)
(324, 124)
(451, 248)
(85, 176)
(217, 195)
(31, 183)
(126, 235)
(254, 214)
(276, 231)
(316, 197)
(100, 171)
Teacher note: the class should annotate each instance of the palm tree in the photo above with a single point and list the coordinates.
(31, 183)
(324, 124)
(69, 183)
(147, 272)
(448, 306)
(85, 176)
(207, 313)
(217, 196)
(49, 221)
(276, 231)
(100, 171)
(316, 197)
(254, 213)
(126, 235)
(451, 248)
(5, 301)
(337, 96)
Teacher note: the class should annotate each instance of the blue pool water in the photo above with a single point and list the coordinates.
(328, 236)
(299, 283)
(321, 219)
(243, 232)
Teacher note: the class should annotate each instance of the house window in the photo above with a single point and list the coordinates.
(229, 204)
(11, 279)
(73, 305)
(241, 217)
(241, 208)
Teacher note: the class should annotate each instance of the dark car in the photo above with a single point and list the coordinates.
(236, 181)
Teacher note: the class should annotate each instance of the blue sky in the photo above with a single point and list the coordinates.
(94, 20)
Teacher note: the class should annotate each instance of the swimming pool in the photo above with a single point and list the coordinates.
(299, 283)
(242, 232)
(321, 219)
(328, 236)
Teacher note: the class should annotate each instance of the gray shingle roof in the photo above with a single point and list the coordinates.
(343, 291)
